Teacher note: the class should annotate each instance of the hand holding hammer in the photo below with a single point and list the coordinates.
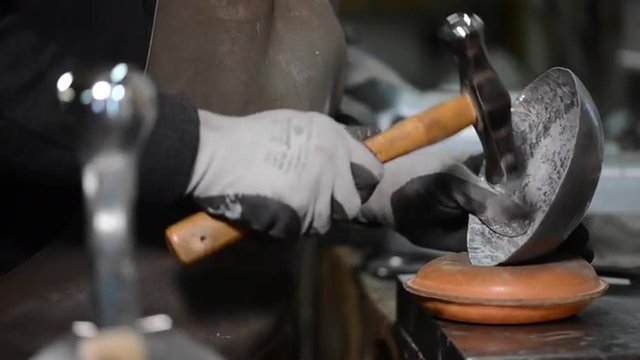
(483, 102)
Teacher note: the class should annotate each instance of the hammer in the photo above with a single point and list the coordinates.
(484, 103)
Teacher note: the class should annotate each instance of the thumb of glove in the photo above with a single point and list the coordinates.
(481, 199)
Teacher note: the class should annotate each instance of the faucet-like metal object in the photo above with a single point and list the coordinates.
(484, 103)
(113, 111)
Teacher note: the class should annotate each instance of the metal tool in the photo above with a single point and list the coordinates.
(112, 111)
(465, 36)
(484, 103)
(557, 127)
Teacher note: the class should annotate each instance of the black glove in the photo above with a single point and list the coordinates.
(577, 244)
(428, 195)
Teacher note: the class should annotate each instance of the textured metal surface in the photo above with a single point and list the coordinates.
(503, 165)
(618, 191)
(608, 329)
(558, 131)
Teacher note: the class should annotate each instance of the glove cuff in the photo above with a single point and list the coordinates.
(206, 149)
(174, 137)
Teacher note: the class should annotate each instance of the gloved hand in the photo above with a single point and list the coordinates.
(428, 194)
(281, 172)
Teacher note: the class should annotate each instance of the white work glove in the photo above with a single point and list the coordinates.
(281, 172)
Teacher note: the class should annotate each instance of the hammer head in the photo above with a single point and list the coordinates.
(464, 34)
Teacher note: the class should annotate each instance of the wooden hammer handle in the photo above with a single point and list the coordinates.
(200, 235)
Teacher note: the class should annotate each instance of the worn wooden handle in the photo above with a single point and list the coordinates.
(424, 129)
(113, 344)
(200, 235)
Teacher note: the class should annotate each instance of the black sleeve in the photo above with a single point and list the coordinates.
(36, 144)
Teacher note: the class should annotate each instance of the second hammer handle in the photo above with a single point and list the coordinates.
(428, 127)
(200, 235)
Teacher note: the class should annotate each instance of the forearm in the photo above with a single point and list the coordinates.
(170, 152)
(37, 141)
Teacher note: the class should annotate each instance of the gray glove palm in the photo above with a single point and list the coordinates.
(281, 172)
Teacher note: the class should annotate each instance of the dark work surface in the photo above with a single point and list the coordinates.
(607, 329)
(238, 302)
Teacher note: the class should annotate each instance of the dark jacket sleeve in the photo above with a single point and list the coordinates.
(36, 144)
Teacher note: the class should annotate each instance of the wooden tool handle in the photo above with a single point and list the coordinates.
(200, 235)
(113, 344)
(426, 128)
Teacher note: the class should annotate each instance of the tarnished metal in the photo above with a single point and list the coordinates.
(557, 127)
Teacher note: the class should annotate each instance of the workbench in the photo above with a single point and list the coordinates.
(608, 329)
(240, 311)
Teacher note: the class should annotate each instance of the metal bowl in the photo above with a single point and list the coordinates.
(558, 131)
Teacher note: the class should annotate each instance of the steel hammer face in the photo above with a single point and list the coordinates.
(464, 34)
